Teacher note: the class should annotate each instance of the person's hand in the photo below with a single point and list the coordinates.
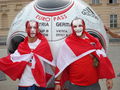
(109, 84)
(95, 61)
(106, 29)
(58, 87)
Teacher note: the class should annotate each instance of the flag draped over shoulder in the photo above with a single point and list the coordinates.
(14, 64)
(13, 70)
(75, 48)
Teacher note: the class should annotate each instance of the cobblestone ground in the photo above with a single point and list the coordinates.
(113, 53)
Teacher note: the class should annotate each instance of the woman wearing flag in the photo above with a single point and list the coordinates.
(83, 61)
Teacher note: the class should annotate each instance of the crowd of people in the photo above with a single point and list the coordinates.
(81, 61)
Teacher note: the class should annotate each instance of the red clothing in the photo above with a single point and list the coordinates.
(15, 69)
(82, 72)
(75, 49)
(79, 46)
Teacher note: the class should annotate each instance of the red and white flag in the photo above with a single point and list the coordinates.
(75, 48)
(13, 65)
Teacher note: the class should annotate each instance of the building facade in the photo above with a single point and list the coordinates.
(108, 10)
(8, 11)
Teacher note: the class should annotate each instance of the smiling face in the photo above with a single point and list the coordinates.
(32, 28)
(78, 27)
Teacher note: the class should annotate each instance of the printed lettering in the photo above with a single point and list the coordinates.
(60, 17)
(43, 18)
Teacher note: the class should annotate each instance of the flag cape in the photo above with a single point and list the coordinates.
(13, 65)
(75, 48)
(13, 70)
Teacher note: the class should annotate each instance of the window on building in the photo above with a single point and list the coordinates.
(95, 1)
(113, 21)
(4, 7)
(18, 7)
(4, 21)
(112, 1)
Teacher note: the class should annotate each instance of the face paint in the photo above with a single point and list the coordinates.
(78, 27)
(32, 29)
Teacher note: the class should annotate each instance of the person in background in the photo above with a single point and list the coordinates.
(83, 61)
(27, 62)
(114, 35)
